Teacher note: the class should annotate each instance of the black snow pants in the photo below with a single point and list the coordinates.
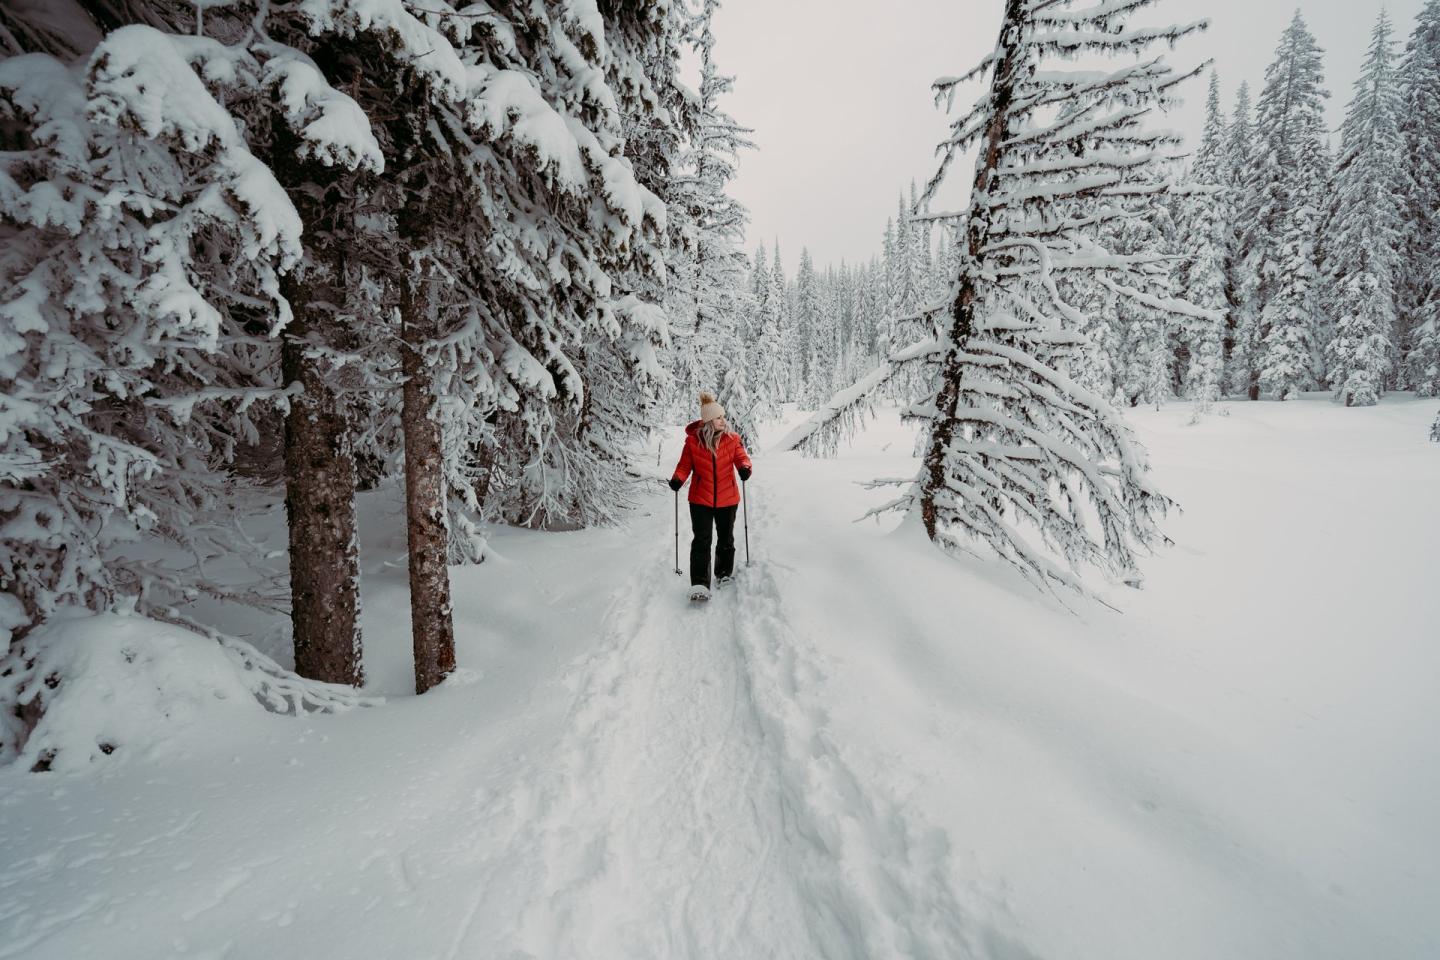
(701, 520)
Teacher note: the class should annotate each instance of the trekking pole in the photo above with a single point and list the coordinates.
(745, 501)
(677, 533)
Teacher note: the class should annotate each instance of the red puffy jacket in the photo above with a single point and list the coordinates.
(714, 483)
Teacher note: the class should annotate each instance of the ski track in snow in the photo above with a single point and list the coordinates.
(697, 807)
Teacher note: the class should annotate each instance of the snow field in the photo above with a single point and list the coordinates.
(859, 749)
(1239, 764)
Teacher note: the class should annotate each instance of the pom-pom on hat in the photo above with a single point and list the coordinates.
(710, 407)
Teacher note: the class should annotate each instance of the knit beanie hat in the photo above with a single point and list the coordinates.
(710, 407)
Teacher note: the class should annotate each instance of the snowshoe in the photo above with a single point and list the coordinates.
(699, 593)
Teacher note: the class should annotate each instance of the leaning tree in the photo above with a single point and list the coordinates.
(1018, 456)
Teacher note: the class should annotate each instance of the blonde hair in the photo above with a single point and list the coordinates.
(710, 436)
(709, 433)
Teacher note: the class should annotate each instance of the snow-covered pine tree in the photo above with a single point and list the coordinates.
(923, 251)
(907, 294)
(908, 286)
(759, 275)
(801, 334)
(1242, 328)
(521, 236)
(1205, 234)
(433, 197)
(644, 45)
(1363, 238)
(328, 156)
(555, 217)
(943, 270)
(778, 317)
(1145, 338)
(855, 348)
(567, 246)
(889, 265)
(831, 334)
(145, 239)
(1018, 455)
(860, 347)
(872, 314)
(762, 333)
(1286, 193)
(1101, 367)
(138, 293)
(1418, 288)
(720, 359)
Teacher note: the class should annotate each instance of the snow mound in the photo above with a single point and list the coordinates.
(110, 683)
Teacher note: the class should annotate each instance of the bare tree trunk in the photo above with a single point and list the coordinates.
(320, 506)
(977, 231)
(431, 625)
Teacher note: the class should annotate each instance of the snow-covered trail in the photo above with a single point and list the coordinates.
(862, 749)
(682, 797)
(697, 805)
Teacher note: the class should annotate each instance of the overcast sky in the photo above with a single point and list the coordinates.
(838, 94)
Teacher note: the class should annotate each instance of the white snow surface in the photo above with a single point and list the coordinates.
(861, 748)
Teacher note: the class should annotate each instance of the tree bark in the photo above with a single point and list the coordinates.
(977, 232)
(431, 625)
(320, 506)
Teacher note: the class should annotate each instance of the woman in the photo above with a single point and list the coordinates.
(713, 454)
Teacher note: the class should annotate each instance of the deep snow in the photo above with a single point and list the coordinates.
(861, 749)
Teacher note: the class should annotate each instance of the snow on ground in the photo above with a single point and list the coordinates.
(861, 749)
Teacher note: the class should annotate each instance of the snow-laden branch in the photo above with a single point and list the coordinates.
(823, 430)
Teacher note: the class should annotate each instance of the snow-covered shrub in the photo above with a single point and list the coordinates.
(83, 686)
(107, 684)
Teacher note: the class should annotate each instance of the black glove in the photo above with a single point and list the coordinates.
(676, 484)
(744, 473)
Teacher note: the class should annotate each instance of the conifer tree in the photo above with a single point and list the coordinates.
(760, 275)
(1285, 193)
(496, 200)
(922, 252)
(139, 286)
(720, 360)
(1363, 235)
(764, 336)
(1013, 444)
(1242, 289)
(907, 290)
(779, 319)
(1205, 243)
(1146, 334)
(804, 328)
(1018, 456)
(589, 329)
(1418, 282)
(909, 284)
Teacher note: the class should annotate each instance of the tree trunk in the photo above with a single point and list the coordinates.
(977, 231)
(320, 506)
(431, 625)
